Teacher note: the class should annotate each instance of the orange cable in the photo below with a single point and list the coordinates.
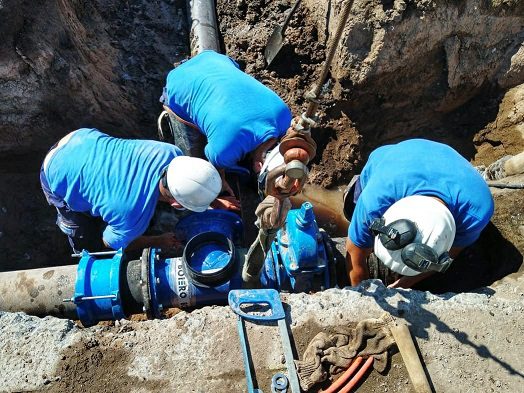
(339, 382)
(356, 379)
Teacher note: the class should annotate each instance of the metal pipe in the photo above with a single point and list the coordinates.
(39, 291)
(514, 165)
(204, 30)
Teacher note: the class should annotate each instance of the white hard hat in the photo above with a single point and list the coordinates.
(193, 182)
(435, 228)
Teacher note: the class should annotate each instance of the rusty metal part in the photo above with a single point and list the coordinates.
(281, 186)
(295, 139)
(296, 154)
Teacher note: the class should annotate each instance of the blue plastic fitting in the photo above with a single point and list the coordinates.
(97, 289)
(222, 221)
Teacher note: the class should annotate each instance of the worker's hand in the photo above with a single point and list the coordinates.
(409, 281)
(257, 165)
(226, 203)
(167, 240)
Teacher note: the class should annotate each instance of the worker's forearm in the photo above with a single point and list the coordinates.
(410, 281)
(356, 276)
(356, 263)
(144, 242)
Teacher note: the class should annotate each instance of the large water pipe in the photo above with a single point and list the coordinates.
(39, 291)
(111, 286)
(204, 30)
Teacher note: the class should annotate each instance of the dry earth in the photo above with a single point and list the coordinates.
(469, 342)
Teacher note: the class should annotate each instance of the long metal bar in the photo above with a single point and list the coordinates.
(245, 355)
(344, 15)
(288, 354)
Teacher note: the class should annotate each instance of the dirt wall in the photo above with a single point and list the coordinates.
(69, 64)
(433, 69)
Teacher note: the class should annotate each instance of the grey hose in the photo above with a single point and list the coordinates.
(497, 184)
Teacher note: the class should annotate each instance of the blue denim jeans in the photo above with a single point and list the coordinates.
(190, 140)
(83, 230)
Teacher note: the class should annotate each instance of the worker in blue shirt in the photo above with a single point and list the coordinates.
(416, 204)
(105, 189)
(222, 113)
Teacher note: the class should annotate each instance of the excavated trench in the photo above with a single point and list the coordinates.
(103, 65)
(451, 72)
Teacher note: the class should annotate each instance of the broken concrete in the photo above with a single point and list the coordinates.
(469, 343)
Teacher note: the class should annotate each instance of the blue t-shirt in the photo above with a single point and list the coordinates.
(116, 179)
(421, 167)
(236, 112)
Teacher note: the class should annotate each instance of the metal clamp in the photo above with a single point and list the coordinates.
(78, 299)
(279, 383)
(94, 254)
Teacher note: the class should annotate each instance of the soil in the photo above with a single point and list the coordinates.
(447, 71)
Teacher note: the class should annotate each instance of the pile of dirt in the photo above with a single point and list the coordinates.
(432, 69)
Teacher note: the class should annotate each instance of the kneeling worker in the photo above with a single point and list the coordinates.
(106, 189)
(416, 204)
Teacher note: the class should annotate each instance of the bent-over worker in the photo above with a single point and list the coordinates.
(416, 204)
(236, 116)
(105, 189)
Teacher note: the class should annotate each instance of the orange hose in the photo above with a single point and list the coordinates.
(339, 382)
(356, 379)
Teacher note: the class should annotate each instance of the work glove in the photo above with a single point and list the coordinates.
(272, 212)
